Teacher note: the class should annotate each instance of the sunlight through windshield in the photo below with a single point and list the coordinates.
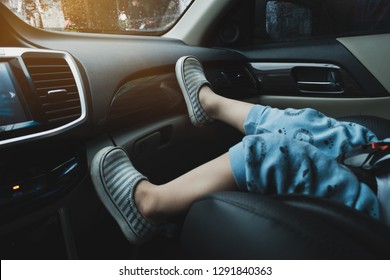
(100, 16)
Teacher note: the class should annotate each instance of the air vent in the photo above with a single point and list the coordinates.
(231, 78)
(238, 77)
(56, 88)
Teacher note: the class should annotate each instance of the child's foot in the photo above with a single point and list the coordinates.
(115, 181)
(191, 78)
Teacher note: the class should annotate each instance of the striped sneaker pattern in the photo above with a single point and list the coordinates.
(115, 185)
(191, 78)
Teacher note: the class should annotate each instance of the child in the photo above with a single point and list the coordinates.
(284, 151)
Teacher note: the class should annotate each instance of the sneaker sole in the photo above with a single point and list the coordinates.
(101, 189)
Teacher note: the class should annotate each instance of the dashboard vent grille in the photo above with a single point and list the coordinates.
(56, 88)
(238, 77)
(231, 78)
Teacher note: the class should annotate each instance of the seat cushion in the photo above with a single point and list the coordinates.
(237, 225)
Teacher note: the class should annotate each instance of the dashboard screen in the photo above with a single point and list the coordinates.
(12, 113)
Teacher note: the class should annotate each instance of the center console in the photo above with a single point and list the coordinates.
(41, 97)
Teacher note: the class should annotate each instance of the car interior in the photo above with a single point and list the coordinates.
(71, 94)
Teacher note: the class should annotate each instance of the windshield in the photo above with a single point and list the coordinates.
(100, 16)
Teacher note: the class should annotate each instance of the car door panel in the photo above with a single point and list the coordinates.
(372, 52)
(367, 93)
(335, 107)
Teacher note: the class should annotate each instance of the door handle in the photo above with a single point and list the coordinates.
(320, 80)
(327, 87)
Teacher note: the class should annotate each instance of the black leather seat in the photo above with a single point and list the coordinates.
(236, 225)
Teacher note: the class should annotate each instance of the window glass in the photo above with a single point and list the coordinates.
(100, 16)
(287, 20)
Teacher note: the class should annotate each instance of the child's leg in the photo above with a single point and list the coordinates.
(202, 103)
(159, 203)
(230, 111)
(138, 206)
(276, 162)
(308, 125)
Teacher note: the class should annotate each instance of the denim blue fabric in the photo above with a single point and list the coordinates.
(295, 151)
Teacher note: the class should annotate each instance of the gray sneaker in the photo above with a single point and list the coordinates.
(115, 180)
(191, 78)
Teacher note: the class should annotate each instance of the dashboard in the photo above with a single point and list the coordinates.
(57, 111)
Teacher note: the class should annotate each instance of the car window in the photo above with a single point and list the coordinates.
(287, 20)
(100, 16)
